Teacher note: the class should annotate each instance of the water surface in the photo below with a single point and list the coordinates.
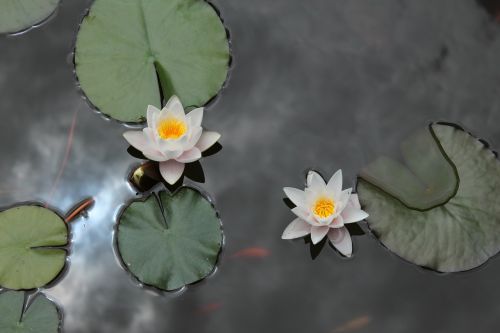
(320, 83)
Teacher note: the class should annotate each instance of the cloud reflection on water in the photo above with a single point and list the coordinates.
(326, 84)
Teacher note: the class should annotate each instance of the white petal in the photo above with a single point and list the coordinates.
(137, 139)
(189, 156)
(343, 199)
(341, 239)
(174, 107)
(346, 194)
(152, 113)
(303, 214)
(309, 177)
(172, 154)
(315, 182)
(334, 186)
(143, 142)
(171, 171)
(297, 196)
(194, 136)
(195, 117)
(207, 140)
(338, 222)
(318, 233)
(298, 228)
(352, 214)
(183, 141)
(154, 155)
(324, 220)
(354, 201)
(150, 135)
(166, 146)
(310, 197)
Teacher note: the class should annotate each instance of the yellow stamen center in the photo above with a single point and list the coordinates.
(171, 128)
(324, 207)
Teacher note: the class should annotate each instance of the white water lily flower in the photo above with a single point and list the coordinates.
(172, 138)
(323, 209)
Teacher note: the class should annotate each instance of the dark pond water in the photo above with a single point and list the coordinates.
(319, 83)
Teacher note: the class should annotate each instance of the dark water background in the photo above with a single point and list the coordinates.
(320, 83)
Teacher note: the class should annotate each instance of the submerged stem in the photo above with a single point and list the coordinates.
(79, 209)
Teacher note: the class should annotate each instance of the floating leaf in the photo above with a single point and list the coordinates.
(430, 179)
(130, 53)
(458, 235)
(41, 316)
(170, 241)
(18, 15)
(31, 247)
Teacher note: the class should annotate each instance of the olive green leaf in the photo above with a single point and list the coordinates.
(41, 316)
(430, 179)
(457, 235)
(31, 247)
(132, 53)
(171, 240)
(18, 15)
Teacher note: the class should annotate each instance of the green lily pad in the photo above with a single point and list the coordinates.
(41, 316)
(131, 53)
(458, 235)
(172, 245)
(430, 179)
(31, 247)
(18, 15)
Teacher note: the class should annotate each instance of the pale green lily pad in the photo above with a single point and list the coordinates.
(19, 15)
(41, 316)
(430, 179)
(170, 258)
(31, 247)
(131, 52)
(458, 235)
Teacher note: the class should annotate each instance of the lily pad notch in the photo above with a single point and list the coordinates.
(25, 313)
(33, 239)
(134, 53)
(168, 241)
(20, 16)
(429, 176)
(459, 234)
